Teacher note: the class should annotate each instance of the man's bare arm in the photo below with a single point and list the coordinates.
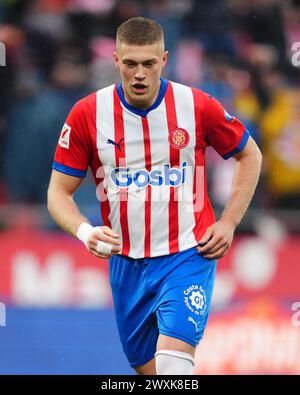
(66, 214)
(218, 237)
(61, 205)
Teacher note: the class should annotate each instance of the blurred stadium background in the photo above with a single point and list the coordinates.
(56, 296)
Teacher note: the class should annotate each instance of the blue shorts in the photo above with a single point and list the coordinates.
(167, 295)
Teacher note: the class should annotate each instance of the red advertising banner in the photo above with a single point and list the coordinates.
(258, 337)
(53, 269)
(254, 325)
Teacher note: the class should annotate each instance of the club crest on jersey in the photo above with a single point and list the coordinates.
(179, 138)
(64, 139)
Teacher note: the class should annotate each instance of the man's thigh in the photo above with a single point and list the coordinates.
(183, 307)
(168, 297)
(135, 316)
(171, 343)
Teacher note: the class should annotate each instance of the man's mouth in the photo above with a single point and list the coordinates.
(139, 87)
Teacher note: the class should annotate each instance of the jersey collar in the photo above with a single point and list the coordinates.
(143, 113)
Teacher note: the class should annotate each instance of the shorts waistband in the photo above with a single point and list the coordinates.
(140, 260)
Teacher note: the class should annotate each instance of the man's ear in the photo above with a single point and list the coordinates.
(116, 59)
(165, 58)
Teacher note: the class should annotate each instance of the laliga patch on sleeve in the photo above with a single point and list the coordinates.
(64, 140)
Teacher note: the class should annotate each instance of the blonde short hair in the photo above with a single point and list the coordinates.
(140, 31)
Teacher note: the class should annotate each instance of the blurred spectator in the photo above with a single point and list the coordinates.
(14, 38)
(189, 62)
(210, 22)
(262, 20)
(281, 143)
(35, 121)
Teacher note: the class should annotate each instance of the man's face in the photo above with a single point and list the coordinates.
(140, 68)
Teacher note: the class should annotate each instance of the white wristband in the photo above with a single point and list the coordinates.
(84, 231)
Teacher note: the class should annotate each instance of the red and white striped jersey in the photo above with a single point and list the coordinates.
(149, 166)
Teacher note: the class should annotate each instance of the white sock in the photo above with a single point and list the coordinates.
(173, 362)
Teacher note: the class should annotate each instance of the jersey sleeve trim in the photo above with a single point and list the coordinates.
(240, 147)
(69, 170)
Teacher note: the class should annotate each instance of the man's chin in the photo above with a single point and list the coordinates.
(140, 101)
(140, 92)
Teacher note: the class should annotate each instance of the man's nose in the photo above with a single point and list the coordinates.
(140, 75)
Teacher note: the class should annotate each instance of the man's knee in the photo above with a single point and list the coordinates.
(147, 369)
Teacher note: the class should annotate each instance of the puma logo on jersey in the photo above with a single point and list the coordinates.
(64, 140)
(109, 141)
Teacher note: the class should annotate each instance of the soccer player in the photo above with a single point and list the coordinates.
(144, 139)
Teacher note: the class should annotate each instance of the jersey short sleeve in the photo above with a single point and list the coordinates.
(72, 154)
(225, 133)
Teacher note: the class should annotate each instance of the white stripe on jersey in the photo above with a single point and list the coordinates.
(160, 147)
(184, 105)
(135, 160)
(106, 152)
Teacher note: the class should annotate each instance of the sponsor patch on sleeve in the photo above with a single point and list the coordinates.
(64, 140)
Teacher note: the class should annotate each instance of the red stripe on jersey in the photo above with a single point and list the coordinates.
(96, 165)
(147, 148)
(120, 158)
(174, 161)
(200, 202)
